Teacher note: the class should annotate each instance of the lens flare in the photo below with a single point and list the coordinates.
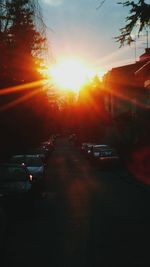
(70, 74)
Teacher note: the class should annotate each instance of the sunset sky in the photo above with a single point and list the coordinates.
(77, 28)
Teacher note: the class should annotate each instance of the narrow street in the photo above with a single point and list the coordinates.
(85, 217)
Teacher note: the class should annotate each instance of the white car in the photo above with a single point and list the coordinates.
(104, 154)
(97, 150)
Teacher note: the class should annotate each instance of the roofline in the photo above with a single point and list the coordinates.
(146, 64)
(12, 164)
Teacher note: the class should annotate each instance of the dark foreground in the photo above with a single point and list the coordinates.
(84, 217)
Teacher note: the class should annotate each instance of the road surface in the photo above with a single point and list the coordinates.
(84, 217)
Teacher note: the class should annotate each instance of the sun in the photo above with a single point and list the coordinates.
(70, 74)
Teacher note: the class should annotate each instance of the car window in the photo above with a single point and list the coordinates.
(100, 148)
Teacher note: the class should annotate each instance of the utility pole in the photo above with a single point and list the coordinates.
(147, 38)
(135, 49)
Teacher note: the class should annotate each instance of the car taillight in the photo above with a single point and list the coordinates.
(30, 177)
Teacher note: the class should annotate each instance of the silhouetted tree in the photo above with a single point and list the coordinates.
(139, 16)
(21, 42)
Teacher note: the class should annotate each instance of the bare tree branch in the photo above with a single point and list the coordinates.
(101, 4)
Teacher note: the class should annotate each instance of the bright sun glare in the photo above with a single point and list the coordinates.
(70, 74)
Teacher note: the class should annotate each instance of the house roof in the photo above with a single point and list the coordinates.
(146, 55)
(145, 69)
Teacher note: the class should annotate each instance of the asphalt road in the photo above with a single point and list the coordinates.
(85, 217)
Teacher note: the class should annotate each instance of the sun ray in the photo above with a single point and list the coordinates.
(129, 99)
(17, 88)
(24, 98)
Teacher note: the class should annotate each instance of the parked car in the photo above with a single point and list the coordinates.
(48, 145)
(83, 146)
(104, 155)
(3, 222)
(33, 163)
(43, 153)
(96, 150)
(86, 148)
(15, 180)
(40, 152)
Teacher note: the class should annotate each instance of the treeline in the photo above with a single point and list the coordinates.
(25, 114)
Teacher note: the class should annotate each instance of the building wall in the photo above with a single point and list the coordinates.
(128, 102)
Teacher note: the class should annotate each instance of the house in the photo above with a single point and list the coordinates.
(127, 87)
(143, 78)
(127, 99)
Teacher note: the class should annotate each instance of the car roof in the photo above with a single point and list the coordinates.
(26, 156)
(90, 144)
(12, 165)
(17, 156)
(101, 146)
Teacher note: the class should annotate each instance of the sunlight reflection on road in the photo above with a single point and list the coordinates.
(78, 198)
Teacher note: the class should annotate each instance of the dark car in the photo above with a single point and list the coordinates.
(15, 180)
(2, 221)
(49, 145)
(83, 147)
(33, 163)
(43, 152)
(86, 148)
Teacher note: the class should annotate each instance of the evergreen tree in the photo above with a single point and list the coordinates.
(139, 16)
(22, 43)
